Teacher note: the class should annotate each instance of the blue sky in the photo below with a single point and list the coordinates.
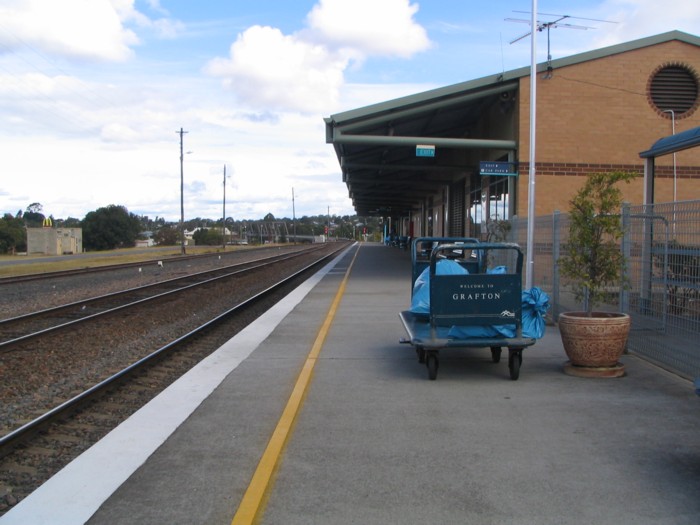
(92, 92)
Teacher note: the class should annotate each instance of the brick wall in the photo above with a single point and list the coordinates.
(596, 116)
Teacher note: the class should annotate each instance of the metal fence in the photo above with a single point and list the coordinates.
(662, 249)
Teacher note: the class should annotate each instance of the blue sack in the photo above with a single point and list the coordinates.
(420, 302)
(535, 305)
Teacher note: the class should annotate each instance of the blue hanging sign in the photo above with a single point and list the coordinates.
(502, 169)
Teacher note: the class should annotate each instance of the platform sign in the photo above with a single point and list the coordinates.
(497, 168)
(425, 150)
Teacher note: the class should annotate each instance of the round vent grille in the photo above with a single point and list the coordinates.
(674, 87)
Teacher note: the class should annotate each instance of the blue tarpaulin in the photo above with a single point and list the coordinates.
(420, 303)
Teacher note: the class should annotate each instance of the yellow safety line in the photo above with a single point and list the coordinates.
(252, 503)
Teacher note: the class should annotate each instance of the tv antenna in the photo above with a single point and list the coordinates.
(557, 22)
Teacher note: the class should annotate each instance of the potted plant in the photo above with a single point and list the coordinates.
(595, 340)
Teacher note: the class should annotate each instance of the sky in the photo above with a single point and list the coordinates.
(94, 93)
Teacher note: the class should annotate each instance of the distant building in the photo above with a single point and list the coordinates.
(54, 241)
(147, 240)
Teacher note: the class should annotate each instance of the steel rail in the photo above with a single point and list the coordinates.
(5, 345)
(9, 441)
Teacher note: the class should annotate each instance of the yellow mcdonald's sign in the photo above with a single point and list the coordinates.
(47, 222)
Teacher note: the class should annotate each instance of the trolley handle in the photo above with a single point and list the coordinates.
(476, 246)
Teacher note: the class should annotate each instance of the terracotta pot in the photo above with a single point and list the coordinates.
(596, 341)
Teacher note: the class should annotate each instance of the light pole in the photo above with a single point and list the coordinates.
(529, 268)
(182, 194)
(673, 132)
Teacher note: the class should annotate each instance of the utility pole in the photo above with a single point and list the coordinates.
(294, 218)
(182, 194)
(223, 218)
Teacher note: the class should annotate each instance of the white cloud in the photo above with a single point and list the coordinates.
(305, 71)
(371, 27)
(85, 29)
(267, 69)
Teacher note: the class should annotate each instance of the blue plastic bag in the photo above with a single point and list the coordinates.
(420, 302)
(535, 305)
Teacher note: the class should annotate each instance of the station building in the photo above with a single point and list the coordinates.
(54, 241)
(446, 161)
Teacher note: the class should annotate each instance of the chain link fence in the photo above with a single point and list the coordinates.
(662, 250)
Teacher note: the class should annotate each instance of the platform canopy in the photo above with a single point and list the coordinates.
(395, 153)
(665, 146)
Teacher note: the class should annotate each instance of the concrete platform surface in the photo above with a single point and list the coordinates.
(376, 442)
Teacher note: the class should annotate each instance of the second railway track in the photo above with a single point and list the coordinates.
(19, 329)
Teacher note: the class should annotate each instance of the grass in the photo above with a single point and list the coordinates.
(34, 264)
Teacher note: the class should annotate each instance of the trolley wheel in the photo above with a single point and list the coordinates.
(421, 354)
(515, 359)
(496, 354)
(431, 361)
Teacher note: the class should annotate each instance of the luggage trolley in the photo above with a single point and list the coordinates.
(461, 304)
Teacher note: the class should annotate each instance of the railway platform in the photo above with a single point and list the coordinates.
(315, 414)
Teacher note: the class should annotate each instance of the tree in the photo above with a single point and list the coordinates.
(167, 236)
(109, 228)
(33, 218)
(71, 222)
(592, 259)
(13, 234)
(207, 237)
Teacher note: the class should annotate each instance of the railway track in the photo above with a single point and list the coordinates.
(22, 328)
(104, 387)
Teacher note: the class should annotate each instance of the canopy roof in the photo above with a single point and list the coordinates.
(680, 141)
(376, 145)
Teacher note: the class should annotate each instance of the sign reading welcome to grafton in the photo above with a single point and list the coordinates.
(497, 168)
